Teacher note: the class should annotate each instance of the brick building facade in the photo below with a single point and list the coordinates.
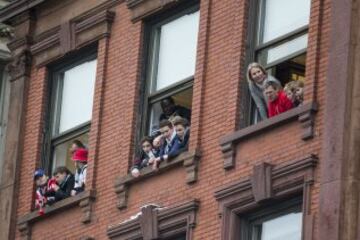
(241, 178)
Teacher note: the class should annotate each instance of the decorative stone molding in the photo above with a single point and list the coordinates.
(20, 66)
(17, 7)
(83, 199)
(279, 183)
(158, 223)
(86, 208)
(69, 36)
(143, 8)
(304, 114)
(25, 231)
(149, 222)
(261, 182)
(188, 159)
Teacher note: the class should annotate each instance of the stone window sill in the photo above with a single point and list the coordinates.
(304, 114)
(84, 200)
(187, 159)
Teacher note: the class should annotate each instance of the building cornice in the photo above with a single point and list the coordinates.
(18, 7)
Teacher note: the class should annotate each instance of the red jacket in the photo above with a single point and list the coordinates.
(279, 105)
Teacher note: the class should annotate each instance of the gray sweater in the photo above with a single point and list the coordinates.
(256, 91)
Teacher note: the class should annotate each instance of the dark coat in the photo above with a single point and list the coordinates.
(183, 145)
(171, 149)
(64, 189)
(178, 111)
(143, 160)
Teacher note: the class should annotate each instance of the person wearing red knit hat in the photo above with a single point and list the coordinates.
(80, 158)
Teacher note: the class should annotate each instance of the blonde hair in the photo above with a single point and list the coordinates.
(292, 85)
(251, 66)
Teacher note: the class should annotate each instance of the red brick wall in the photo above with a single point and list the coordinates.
(219, 75)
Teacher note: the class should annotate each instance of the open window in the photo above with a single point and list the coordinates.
(72, 92)
(171, 58)
(279, 39)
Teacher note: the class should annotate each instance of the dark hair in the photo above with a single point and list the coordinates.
(180, 121)
(169, 99)
(165, 123)
(78, 143)
(62, 169)
(272, 84)
(146, 139)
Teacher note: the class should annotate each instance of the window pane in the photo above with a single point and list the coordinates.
(283, 16)
(62, 155)
(271, 55)
(177, 50)
(77, 95)
(286, 227)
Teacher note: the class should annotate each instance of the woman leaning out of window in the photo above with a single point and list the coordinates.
(257, 78)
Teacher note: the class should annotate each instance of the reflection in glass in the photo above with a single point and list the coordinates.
(287, 227)
(77, 95)
(183, 98)
(283, 16)
(177, 50)
(62, 155)
(271, 55)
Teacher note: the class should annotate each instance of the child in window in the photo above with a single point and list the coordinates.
(182, 131)
(43, 185)
(299, 93)
(171, 145)
(278, 101)
(146, 158)
(294, 91)
(80, 158)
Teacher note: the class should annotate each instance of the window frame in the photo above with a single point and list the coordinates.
(151, 53)
(285, 181)
(52, 137)
(253, 48)
(252, 221)
(258, 7)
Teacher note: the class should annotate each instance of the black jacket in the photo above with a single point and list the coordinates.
(64, 189)
(183, 145)
(178, 111)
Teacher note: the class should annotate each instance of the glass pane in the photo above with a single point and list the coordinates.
(271, 55)
(77, 95)
(177, 50)
(283, 16)
(62, 154)
(183, 99)
(287, 227)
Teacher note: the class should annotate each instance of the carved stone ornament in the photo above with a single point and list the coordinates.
(154, 222)
(25, 231)
(20, 66)
(71, 35)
